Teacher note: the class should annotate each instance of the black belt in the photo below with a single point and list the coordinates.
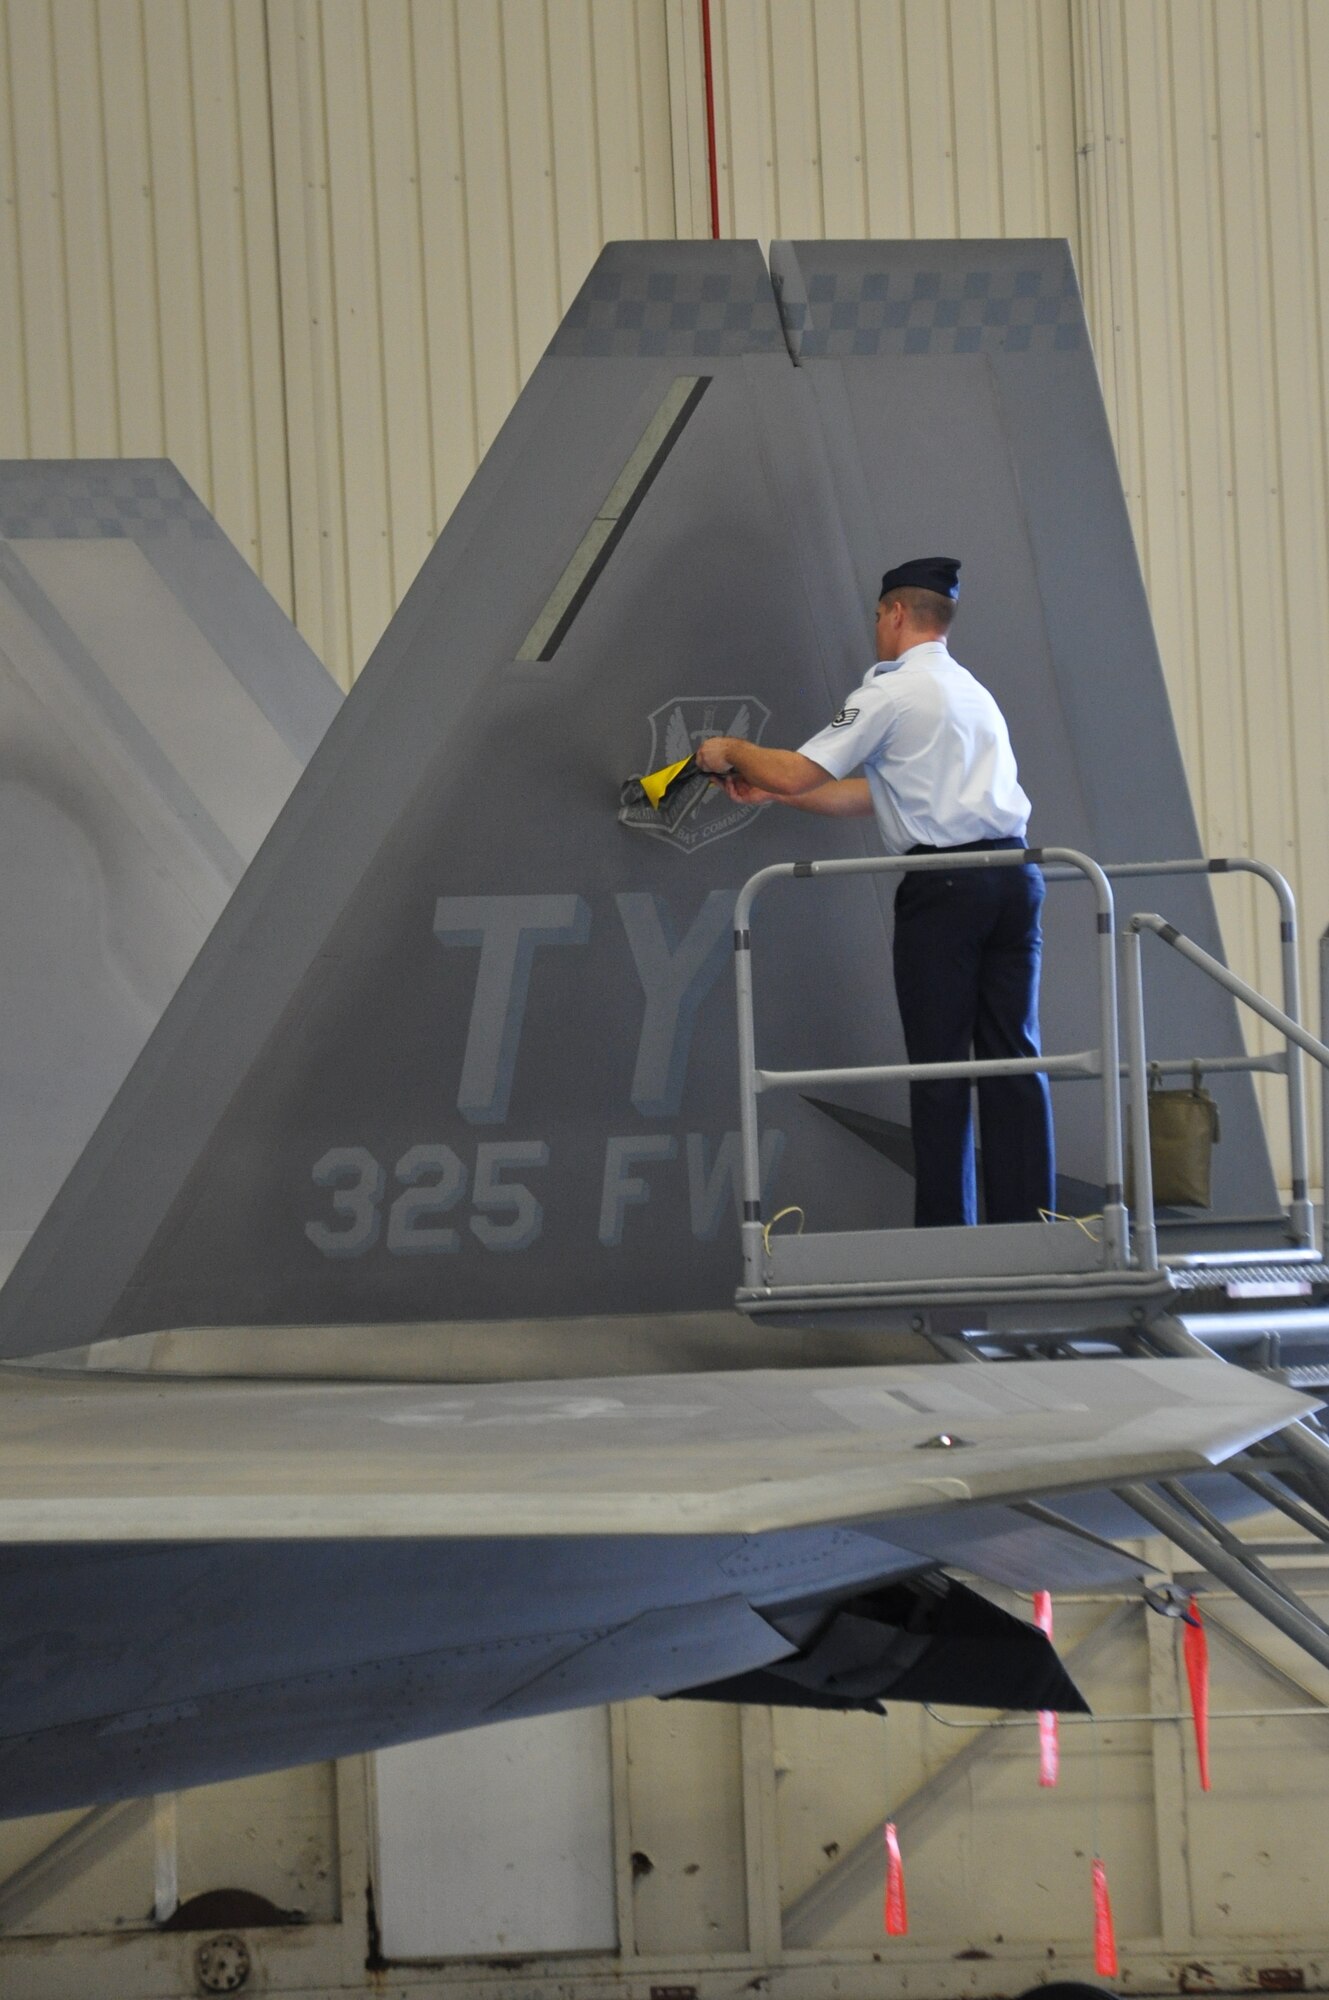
(971, 846)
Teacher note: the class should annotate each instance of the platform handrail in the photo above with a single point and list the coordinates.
(1103, 1062)
(1302, 1212)
(1284, 1021)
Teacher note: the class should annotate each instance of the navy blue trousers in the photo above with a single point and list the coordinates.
(968, 949)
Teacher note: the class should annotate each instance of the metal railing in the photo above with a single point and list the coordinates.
(1297, 1038)
(1103, 1062)
(1288, 1065)
(1064, 864)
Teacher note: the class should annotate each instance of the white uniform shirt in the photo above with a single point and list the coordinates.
(934, 749)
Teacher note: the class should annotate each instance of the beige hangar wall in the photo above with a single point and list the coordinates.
(1203, 136)
(311, 249)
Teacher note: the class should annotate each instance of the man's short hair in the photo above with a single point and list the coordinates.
(925, 607)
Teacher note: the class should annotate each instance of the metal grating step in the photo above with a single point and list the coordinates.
(1252, 1279)
(1307, 1375)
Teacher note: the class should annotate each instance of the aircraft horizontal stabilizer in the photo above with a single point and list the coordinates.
(110, 1459)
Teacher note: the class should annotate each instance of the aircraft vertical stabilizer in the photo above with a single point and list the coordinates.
(462, 1044)
(156, 709)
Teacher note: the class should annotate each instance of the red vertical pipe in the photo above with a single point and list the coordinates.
(710, 118)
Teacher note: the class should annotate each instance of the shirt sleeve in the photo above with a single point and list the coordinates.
(860, 729)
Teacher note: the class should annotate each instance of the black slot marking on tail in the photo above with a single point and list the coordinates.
(610, 524)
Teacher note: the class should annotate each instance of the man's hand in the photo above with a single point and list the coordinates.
(745, 794)
(713, 756)
(773, 774)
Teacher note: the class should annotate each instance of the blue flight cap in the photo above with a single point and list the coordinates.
(939, 573)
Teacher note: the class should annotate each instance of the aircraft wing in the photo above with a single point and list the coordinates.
(86, 1458)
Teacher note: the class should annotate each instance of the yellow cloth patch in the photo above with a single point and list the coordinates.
(657, 783)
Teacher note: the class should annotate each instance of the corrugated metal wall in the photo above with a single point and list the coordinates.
(446, 174)
(139, 312)
(1204, 139)
(310, 249)
(895, 118)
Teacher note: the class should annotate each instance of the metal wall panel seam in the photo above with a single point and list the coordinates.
(83, 204)
(1314, 113)
(532, 235)
(594, 134)
(838, 114)
(1229, 797)
(364, 495)
(300, 312)
(1204, 468)
(974, 71)
(484, 157)
(329, 442)
(562, 298)
(399, 294)
(510, 202)
(627, 121)
(863, 205)
(1300, 419)
(1260, 616)
(186, 439)
(189, 108)
(1091, 153)
(268, 458)
(1153, 342)
(225, 317)
(660, 217)
(449, 318)
(573, 149)
(687, 119)
(747, 160)
(784, 218)
(795, 140)
(1186, 612)
(15, 438)
(1015, 145)
(130, 233)
(330, 439)
(104, 116)
(887, 150)
(1301, 503)
(1056, 119)
(724, 119)
(39, 209)
(932, 135)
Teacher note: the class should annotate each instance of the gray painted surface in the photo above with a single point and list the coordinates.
(156, 709)
(510, 1551)
(461, 1047)
(747, 1452)
(956, 389)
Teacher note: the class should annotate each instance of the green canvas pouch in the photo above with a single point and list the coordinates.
(1183, 1131)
